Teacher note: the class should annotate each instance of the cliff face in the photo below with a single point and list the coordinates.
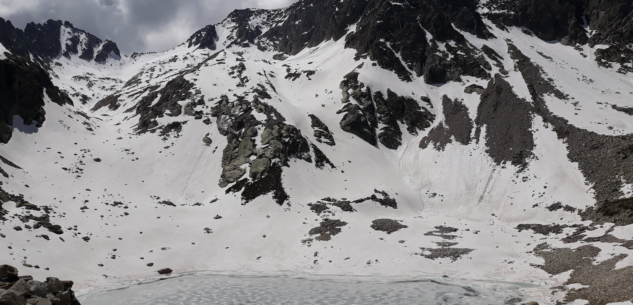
(23, 86)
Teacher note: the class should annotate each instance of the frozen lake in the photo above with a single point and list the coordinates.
(223, 289)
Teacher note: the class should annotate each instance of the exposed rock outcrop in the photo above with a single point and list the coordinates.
(204, 38)
(508, 123)
(22, 87)
(456, 125)
(22, 290)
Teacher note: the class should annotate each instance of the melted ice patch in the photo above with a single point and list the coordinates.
(222, 289)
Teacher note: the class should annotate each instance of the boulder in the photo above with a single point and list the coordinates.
(9, 272)
(54, 285)
(39, 302)
(259, 167)
(165, 271)
(65, 298)
(11, 298)
(356, 123)
(38, 288)
(474, 89)
(189, 109)
(20, 288)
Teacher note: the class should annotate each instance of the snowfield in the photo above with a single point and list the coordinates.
(131, 203)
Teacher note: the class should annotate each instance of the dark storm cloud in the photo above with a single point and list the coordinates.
(135, 25)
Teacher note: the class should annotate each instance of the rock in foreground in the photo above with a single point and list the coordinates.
(22, 290)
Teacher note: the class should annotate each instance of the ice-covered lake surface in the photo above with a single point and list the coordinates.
(223, 289)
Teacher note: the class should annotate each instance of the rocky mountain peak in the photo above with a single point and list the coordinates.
(54, 38)
(204, 38)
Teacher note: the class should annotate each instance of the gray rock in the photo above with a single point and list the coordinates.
(20, 288)
(474, 89)
(64, 298)
(189, 109)
(11, 298)
(38, 288)
(246, 148)
(39, 302)
(233, 175)
(274, 149)
(259, 167)
(387, 225)
(54, 285)
(207, 141)
(267, 135)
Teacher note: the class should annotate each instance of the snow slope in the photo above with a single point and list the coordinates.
(105, 182)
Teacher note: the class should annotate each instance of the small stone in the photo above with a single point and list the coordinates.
(165, 271)
(150, 264)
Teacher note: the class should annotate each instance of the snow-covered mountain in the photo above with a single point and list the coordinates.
(482, 140)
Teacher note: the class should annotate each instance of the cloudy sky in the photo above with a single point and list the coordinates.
(135, 25)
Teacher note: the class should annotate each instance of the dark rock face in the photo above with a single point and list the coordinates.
(564, 19)
(618, 211)
(387, 225)
(445, 251)
(385, 201)
(388, 31)
(8, 272)
(271, 183)
(38, 39)
(603, 160)
(21, 203)
(355, 122)
(204, 38)
(321, 131)
(108, 49)
(43, 42)
(508, 123)
(174, 91)
(327, 229)
(22, 86)
(321, 159)
(311, 22)
(359, 118)
(549, 20)
(542, 229)
(25, 290)
(244, 33)
(112, 101)
(457, 124)
(362, 118)
(399, 109)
